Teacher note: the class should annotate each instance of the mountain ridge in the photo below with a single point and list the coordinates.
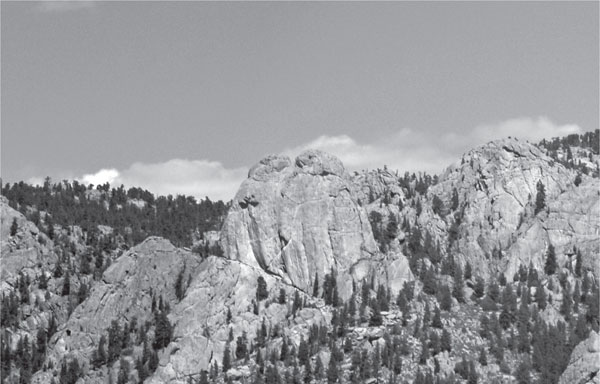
(395, 234)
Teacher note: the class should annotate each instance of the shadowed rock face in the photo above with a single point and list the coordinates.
(297, 219)
(584, 363)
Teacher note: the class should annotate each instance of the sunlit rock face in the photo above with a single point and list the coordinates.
(298, 219)
(145, 273)
(496, 189)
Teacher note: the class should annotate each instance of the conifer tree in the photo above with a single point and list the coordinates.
(261, 290)
(458, 290)
(316, 285)
(437, 319)
(551, 265)
(430, 281)
(482, 357)
(123, 377)
(468, 271)
(319, 369)
(226, 363)
(523, 371)
(446, 341)
(454, 199)
(332, 371)
(66, 289)
(578, 264)
(376, 319)
(566, 307)
(540, 296)
(307, 373)
(446, 300)
(540, 197)
(14, 227)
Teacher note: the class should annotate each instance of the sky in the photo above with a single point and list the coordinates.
(183, 97)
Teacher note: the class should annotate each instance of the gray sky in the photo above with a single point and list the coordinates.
(184, 97)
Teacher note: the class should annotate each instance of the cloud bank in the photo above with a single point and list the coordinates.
(198, 178)
(405, 150)
(52, 6)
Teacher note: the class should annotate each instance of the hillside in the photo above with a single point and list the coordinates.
(485, 273)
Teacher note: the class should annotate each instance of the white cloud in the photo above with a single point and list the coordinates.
(405, 150)
(419, 150)
(525, 128)
(199, 178)
(101, 177)
(63, 6)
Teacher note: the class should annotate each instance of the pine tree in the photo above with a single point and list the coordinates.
(446, 341)
(391, 229)
(468, 271)
(446, 300)
(482, 357)
(319, 369)
(261, 290)
(114, 341)
(163, 332)
(473, 377)
(123, 377)
(376, 318)
(316, 286)
(540, 198)
(437, 319)
(454, 199)
(566, 307)
(179, 288)
(14, 227)
(66, 289)
(551, 265)
(458, 291)
(578, 264)
(424, 356)
(308, 376)
(241, 349)
(226, 358)
(281, 299)
(430, 282)
(479, 289)
(523, 371)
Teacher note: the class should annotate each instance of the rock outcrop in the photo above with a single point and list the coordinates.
(147, 271)
(296, 220)
(584, 364)
(495, 226)
(201, 325)
(28, 251)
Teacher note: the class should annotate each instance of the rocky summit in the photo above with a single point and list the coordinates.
(299, 220)
(486, 273)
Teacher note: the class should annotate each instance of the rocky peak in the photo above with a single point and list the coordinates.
(299, 220)
(496, 189)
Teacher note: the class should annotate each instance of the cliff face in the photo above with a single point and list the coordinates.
(496, 189)
(201, 321)
(299, 219)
